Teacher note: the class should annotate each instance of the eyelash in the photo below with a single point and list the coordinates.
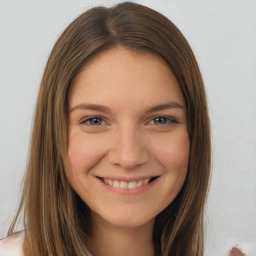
(168, 120)
(90, 119)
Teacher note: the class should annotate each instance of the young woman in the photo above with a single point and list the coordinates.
(120, 153)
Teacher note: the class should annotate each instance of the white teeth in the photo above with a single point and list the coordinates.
(116, 184)
(146, 181)
(132, 185)
(140, 183)
(126, 185)
(123, 185)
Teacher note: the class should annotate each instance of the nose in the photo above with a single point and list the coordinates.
(128, 148)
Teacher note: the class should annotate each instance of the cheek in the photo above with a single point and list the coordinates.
(83, 153)
(178, 153)
(173, 152)
(175, 158)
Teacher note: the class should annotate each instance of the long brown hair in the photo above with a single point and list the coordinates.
(56, 220)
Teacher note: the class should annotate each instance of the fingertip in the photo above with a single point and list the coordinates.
(236, 252)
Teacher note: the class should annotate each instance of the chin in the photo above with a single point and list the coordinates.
(125, 219)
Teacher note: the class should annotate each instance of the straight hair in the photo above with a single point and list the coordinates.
(56, 220)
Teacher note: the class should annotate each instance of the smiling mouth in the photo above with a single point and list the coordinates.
(127, 185)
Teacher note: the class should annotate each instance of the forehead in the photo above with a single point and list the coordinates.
(123, 74)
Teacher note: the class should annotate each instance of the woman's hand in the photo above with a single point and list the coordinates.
(236, 252)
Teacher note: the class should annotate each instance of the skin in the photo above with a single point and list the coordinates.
(126, 141)
(236, 252)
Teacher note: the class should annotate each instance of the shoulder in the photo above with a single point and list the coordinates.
(12, 245)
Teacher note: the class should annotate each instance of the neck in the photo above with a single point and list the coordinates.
(111, 240)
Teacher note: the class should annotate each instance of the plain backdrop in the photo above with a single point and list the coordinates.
(223, 37)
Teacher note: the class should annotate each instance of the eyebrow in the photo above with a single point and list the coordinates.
(105, 109)
(169, 105)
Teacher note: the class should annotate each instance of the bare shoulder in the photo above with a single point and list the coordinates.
(12, 245)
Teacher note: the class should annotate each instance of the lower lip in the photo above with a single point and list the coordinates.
(135, 191)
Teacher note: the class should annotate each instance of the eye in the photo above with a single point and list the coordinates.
(94, 121)
(162, 120)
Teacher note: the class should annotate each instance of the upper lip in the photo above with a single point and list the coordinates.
(127, 179)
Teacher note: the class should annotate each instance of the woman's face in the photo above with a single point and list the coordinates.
(128, 144)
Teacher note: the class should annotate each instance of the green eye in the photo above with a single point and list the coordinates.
(93, 121)
(162, 120)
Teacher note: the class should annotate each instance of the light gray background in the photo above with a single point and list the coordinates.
(223, 37)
